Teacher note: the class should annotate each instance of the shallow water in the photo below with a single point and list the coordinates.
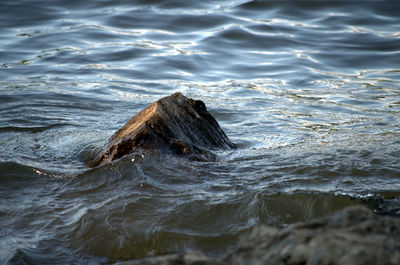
(310, 91)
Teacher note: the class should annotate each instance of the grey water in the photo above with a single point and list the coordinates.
(308, 90)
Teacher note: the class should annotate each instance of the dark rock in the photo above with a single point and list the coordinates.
(383, 206)
(193, 258)
(353, 236)
(174, 123)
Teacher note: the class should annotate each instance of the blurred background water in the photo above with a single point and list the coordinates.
(310, 91)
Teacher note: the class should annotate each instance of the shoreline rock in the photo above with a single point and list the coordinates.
(352, 236)
(175, 124)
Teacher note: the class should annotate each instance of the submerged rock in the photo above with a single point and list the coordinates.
(174, 123)
(353, 236)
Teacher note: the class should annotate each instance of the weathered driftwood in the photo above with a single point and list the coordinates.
(174, 124)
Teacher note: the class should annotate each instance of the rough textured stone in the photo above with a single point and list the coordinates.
(174, 123)
(193, 258)
(353, 236)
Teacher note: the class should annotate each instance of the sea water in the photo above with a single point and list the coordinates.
(309, 91)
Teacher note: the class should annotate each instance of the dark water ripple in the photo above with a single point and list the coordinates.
(309, 90)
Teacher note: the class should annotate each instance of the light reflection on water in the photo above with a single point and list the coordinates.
(310, 93)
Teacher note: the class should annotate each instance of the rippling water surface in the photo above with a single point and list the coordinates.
(310, 91)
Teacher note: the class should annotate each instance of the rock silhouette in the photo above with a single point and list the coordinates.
(174, 124)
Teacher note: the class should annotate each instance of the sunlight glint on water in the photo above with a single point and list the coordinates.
(309, 92)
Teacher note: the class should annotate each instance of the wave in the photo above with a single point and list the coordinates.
(14, 172)
(309, 91)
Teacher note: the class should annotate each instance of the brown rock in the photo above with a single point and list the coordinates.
(174, 124)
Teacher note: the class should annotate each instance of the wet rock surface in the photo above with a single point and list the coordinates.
(389, 206)
(352, 236)
(193, 258)
(174, 124)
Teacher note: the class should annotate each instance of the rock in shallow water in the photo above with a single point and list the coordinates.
(353, 236)
(193, 258)
(174, 124)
